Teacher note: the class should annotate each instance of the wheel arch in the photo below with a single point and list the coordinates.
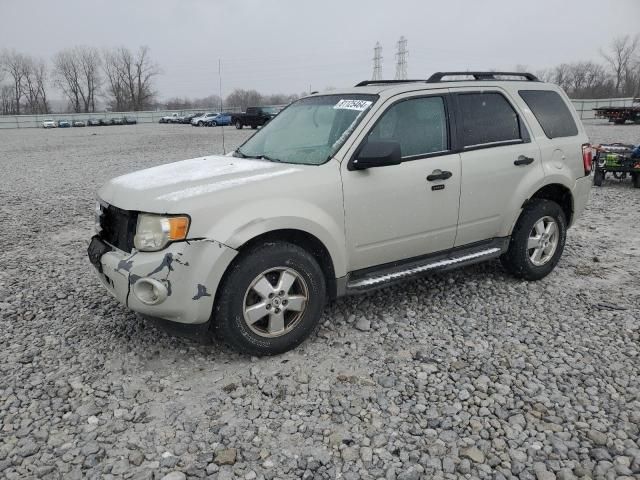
(305, 240)
(559, 194)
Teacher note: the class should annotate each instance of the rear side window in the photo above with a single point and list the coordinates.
(487, 118)
(551, 112)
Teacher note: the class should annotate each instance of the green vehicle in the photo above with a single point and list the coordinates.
(618, 159)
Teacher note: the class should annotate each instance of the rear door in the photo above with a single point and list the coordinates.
(500, 163)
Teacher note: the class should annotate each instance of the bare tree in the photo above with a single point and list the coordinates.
(35, 75)
(115, 87)
(90, 62)
(619, 58)
(67, 77)
(130, 78)
(243, 99)
(77, 74)
(7, 100)
(13, 64)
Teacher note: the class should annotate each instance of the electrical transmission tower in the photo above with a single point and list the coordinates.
(401, 65)
(377, 62)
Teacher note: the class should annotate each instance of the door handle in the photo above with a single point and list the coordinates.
(522, 160)
(439, 175)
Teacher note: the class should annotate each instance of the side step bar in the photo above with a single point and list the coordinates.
(378, 277)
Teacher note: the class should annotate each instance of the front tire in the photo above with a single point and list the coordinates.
(213, 124)
(271, 299)
(239, 125)
(537, 241)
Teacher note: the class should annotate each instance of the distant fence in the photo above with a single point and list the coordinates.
(33, 121)
(585, 107)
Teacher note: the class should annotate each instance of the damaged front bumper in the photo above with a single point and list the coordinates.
(186, 273)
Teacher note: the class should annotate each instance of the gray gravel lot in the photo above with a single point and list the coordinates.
(469, 374)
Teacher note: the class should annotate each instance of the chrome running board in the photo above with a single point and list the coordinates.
(384, 275)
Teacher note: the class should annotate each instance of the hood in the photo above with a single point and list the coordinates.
(165, 189)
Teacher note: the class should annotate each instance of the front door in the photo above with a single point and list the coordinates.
(394, 212)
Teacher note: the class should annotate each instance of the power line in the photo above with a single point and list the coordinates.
(377, 62)
(401, 65)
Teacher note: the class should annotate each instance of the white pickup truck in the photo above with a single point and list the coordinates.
(173, 118)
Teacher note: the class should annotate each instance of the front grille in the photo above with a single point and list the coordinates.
(117, 227)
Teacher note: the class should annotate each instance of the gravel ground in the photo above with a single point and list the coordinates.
(470, 374)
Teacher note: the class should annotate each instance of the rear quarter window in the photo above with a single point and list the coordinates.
(551, 112)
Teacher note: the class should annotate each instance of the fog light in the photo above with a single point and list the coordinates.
(150, 291)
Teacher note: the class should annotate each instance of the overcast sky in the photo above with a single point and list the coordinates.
(290, 46)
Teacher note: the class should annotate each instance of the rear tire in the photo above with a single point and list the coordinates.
(254, 127)
(537, 241)
(239, 125)
(619, 122)
(200, 123)
(213, 124)
(598, 177)
(251, 288)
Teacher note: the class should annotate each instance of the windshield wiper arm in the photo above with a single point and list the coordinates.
(266, 157)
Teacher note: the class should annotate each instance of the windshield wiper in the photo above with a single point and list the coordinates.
(266, 157)
(240, 154)
(256, 157)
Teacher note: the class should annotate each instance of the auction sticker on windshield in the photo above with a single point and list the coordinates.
(358, 105)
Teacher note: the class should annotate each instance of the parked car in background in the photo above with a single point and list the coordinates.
(79, 123)
(116, 121)
(187, 118)
(173, 118)
(49, 123)
(129, 120)
(103, 122)
(64, 124)
(202, 120)
(93, 122)
(254, 117)
(219, 120)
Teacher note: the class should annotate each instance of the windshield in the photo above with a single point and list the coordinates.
(309, 131)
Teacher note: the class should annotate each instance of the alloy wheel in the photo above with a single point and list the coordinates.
(275, 302)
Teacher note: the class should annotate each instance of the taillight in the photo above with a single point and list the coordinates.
(587, 157)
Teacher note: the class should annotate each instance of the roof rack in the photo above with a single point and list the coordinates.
(384, 82)
(438, 77)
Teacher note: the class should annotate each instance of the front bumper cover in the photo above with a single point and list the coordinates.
(191, 271)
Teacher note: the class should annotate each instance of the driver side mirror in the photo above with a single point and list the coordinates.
(377, 154)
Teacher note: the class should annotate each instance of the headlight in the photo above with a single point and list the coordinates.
(155, 232)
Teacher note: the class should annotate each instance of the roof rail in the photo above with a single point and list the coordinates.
(438, 77)
(384, 82)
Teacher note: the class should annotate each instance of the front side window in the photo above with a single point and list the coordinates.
(487, 118)
(419, 125)
(309, 131)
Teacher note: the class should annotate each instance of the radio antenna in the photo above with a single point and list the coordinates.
(224, 150)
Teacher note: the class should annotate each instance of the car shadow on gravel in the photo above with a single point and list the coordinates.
(152, 333)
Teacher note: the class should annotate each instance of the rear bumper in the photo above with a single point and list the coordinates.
(581, 196)
(190, 271)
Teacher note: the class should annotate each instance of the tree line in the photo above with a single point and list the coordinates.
(237, 99)
(123, 80)
(120, 78)
(617, 75)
